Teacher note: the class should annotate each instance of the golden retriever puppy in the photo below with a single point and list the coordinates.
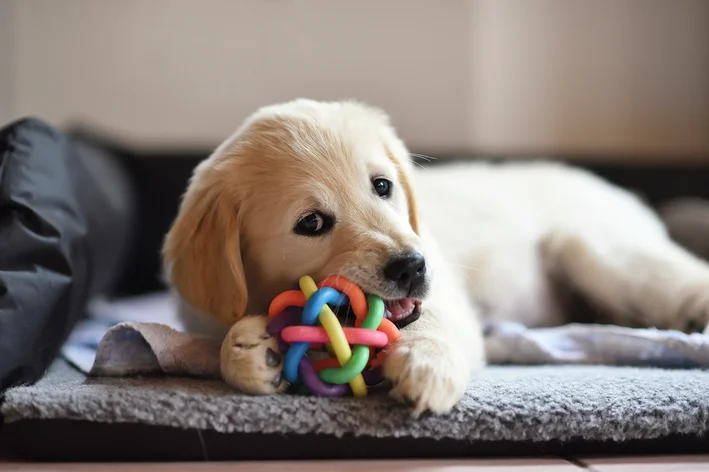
(323, 188)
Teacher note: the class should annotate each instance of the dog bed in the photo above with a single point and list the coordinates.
(144, 374)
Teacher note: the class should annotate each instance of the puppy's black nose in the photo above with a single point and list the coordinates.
(407, 271)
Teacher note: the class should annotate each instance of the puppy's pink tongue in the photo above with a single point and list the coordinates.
(400, 309)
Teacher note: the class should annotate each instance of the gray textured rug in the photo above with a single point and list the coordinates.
(502, 403)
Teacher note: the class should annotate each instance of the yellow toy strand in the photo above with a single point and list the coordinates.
(338, 340)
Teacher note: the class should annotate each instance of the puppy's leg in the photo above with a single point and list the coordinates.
(250, 361)
(651, 283)
(432, 363)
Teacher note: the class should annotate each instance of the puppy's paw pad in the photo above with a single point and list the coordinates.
(273, 359)
(250, 361)
(426, 374)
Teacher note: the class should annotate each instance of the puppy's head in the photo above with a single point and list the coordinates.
(302, 188)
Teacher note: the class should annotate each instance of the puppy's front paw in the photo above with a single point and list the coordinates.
(250, 361)
(426, 373)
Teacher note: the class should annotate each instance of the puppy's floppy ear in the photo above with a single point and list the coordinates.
(201, 251)
(405, 180)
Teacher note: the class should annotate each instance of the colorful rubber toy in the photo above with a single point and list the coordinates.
(302, 321)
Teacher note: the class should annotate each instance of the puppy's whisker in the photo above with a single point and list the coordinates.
(348, 284)
(476, 292)
(337, 314)
(466, 275)
(424, 157)
(462, 266)
(471, 284)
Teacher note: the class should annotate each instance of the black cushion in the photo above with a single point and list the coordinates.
(65, 222)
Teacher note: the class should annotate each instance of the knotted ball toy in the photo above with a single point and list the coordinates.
(303, 323)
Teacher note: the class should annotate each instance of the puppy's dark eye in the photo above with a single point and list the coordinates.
(314, 224)
(382, 187)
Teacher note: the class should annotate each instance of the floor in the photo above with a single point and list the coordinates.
(635, 464)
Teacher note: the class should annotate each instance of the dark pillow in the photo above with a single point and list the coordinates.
(65, 223)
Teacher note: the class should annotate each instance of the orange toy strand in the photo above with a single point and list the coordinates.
(356, 296)
(286, 300)
(378, 360)
(388, 327)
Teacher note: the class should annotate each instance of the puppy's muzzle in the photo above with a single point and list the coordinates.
(407, 271)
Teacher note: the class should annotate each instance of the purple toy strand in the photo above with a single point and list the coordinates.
(318, 387)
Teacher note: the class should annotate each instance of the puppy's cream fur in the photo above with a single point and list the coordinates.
(502, 241)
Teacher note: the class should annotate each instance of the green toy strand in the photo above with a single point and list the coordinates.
(360, 353)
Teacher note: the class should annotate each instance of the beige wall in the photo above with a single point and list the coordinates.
(586, 76)
(7, 71)
(594, 76)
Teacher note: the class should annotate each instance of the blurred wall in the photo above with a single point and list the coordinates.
(598, 76)
(627, 77)
(7, 89)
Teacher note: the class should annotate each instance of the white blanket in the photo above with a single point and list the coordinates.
(141, 335)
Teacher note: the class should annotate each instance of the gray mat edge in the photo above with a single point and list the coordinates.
(637, 410)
